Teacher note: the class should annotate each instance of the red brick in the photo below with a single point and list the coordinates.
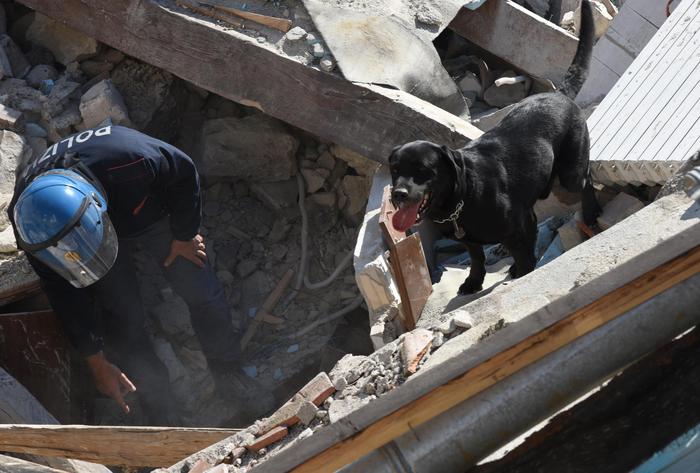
(269, 438)
(318, 389)
(200, 467)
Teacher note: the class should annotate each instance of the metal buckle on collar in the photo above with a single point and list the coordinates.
(459, 232)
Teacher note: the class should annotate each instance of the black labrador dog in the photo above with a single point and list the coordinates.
(485, 192)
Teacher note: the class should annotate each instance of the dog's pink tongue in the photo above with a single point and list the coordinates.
(405, 216)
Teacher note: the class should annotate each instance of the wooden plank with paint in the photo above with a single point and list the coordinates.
(118, 445)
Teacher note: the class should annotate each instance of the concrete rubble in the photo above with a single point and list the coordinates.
(59, 82)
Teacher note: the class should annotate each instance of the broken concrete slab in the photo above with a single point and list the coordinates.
(66, 44)
(11, 119)
(256, 148)
(7, 241)
(101, 102)
(508, 30)
(619, 209)
(394, 51)
(18, 63)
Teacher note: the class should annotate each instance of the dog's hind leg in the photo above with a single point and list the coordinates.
(477, 271)
(590, 208)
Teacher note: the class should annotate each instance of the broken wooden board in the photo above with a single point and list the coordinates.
(408, 264)
(412, 278)
(36, 352)
(118, 446)
(263, 314)
(368, 119)
(519, 37)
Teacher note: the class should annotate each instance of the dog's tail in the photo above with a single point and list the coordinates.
(578, 70)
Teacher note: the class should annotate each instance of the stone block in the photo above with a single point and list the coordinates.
(619, 209)
(10, 118)
(570, 234)
(255, 148)
(363, 166)
(416, 344)
(103, 101)
(269, 438)
(276, 195)
(314, 180)
(19, 64)
(144, 88)
(7, 241)
(356, 189)
(14, 153)
(66, 44)
(318, 389)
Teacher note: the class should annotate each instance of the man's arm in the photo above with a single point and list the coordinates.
(178, 176)
(76, 311)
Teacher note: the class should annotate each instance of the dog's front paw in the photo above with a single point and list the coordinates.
(513, 271)
(470, 286)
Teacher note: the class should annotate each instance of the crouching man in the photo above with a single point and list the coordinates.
(78, 211)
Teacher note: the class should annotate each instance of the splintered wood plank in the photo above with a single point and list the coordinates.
(408, 264)
(506, 363)
(413, 278)
(119, 446)
(509, 31)
(368, 119)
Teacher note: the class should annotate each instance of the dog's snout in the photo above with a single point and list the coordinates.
(399, 194)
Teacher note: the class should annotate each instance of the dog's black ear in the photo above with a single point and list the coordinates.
(393, 157)
(450, 155)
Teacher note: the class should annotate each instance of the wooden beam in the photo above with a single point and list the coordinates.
(368, 119)
(519, 37)
(117, 446)
(506, 363)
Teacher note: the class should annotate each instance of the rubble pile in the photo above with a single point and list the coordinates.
(55, 82)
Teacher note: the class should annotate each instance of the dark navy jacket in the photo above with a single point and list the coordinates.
(144, 180)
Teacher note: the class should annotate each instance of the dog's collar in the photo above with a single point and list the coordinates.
(458, 231)
(454, 215)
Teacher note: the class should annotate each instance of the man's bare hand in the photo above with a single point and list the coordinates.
(193, 250)
(110, 380)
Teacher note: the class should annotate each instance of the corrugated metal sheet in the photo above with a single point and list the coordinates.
(649, 123)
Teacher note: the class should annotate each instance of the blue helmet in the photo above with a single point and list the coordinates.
(61, 219)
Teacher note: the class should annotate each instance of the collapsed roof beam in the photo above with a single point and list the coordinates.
(368, 119)
(519, 37)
